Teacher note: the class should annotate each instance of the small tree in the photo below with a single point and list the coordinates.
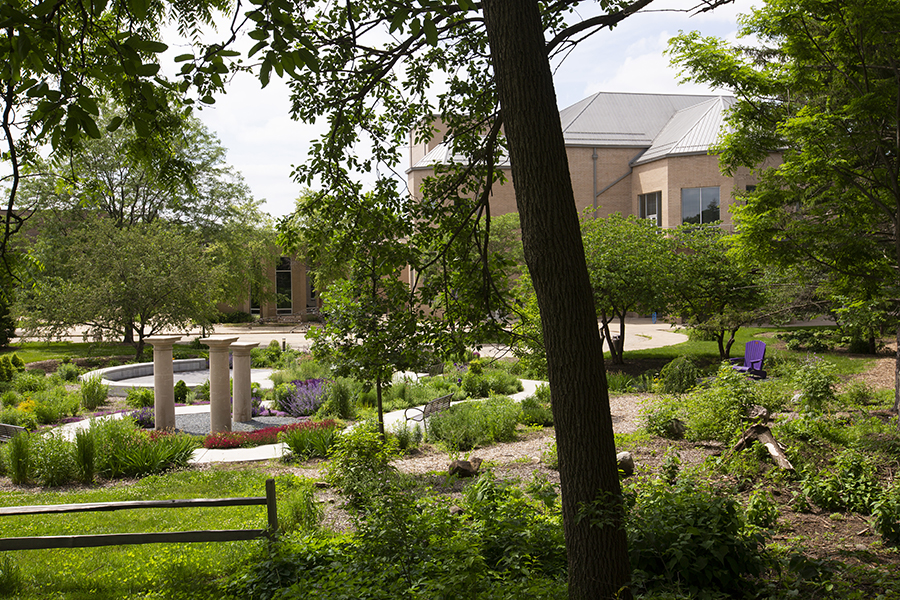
(137, 281)
(711, 291)
(371, 327)
(628, 262)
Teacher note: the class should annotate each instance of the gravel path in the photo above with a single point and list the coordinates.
(198, 423)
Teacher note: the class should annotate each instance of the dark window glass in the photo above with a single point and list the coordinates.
(699, 205)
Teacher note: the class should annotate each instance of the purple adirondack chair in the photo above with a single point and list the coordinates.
(752, 362)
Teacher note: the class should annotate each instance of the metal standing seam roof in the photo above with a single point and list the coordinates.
(663, 123)
(691, 131)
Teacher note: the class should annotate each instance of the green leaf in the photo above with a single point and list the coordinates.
(151, 46)
(90, 127)
(257, 47)
(208, 99)
(431, 34)
(114, 124)
(184, 57)
(308, 58)
(147, 70)
(139, 8)
(259, 34)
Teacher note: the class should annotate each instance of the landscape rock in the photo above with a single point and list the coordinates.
(625, 462)
(465, 468)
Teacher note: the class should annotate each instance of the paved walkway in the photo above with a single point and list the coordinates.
(639, 334)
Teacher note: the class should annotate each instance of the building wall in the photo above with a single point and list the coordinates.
(607, 172)
(608, 175)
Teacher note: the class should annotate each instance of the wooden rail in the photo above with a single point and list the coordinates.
(122, 539)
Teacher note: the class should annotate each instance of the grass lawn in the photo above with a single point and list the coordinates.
(147, 571)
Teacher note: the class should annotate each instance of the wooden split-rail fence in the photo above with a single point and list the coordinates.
(121, 539)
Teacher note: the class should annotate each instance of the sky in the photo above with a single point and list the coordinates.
(263, 143)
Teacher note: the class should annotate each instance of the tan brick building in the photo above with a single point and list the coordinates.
(635, 154)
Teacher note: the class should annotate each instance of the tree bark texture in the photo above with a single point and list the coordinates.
(591, 494)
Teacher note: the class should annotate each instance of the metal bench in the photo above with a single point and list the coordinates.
(420, 413)
(8, 432)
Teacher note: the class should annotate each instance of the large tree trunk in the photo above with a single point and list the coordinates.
(591, 495)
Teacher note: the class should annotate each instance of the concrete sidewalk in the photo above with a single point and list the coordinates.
(640, 333)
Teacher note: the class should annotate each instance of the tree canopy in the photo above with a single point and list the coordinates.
(821, 88)
(103, 186)
(628, 260)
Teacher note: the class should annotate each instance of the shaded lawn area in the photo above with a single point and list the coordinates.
(146, 571)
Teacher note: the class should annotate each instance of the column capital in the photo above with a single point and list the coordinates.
(218, 342)
(243, 348)
(162, 342)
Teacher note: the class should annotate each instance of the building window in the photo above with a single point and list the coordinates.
(700, 205)
(283, 286)
(650, 206)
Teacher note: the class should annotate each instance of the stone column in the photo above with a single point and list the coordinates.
(241, 372)
(219, 392)
(163, 380)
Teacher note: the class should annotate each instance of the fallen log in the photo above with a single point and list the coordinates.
(763, 435)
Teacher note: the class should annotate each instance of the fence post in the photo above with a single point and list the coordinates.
(271, 508)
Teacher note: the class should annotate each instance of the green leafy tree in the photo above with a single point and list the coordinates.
(822, 89)
(628, 261)
(144, 279)
(107, 179)
(371, 328)
(712, 291)
(58, 58)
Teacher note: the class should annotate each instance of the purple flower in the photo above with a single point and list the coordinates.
(304, 399)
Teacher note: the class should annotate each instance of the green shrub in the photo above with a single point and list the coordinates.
(181, 392)
(550, 457)
(536, 412)
(715, 413)
(54, 460)
(407, 437)
(140, 397)
(201, 392)
(762, 511)
(624, 383)
(689, 536)
(816, 379)
(314, 439)
(338, 403)
(9, 399)
(55, 403)
(68, 371)
(20, 458)
(85, 455)
(30, 381)
(887, 515)
(93, 393)
(7, 370)
(360, 464)
(849, 483)
(19, 416)
(17, 363)
(470, 424)
(236, 316)
(859, 393)
(123, 450)
(678, 376)
(661, 418)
